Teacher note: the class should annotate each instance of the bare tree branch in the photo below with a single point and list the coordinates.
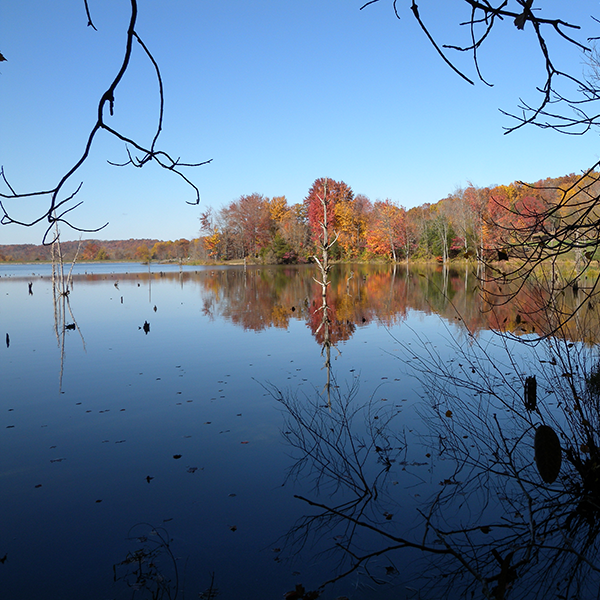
(55, 211)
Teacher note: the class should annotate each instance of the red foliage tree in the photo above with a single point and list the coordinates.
(335, 192)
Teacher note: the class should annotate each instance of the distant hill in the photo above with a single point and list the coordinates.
(88, 250)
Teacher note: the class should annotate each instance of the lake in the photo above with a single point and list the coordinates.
(203, 432)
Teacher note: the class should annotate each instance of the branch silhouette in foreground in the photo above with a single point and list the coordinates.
(510, 503)
(60, 200)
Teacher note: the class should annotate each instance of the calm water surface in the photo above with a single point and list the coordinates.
(164, 461)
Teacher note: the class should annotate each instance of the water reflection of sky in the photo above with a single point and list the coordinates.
(82, 464)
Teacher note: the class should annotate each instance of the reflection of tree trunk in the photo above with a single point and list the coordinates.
(391, 296)
(324, 268)
(445, 271)
(149, 283)
(61, 288)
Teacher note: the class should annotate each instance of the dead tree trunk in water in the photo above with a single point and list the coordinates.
(324, 267)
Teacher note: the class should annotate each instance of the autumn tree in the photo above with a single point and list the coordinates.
(181, 248)
(295, 231)
(143, 253)
(351, 216)
(420, 219)
(278, 209)
(90, 250)
(280, 250)
(248, 220)
(212, 237)
(387, 230)
(334, 192)
(442, 227)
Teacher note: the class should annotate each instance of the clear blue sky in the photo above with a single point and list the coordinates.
(277, 94)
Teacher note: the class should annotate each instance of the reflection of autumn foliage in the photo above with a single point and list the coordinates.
(358, 295)
(257, 299)
(339, 329)
(533, 309)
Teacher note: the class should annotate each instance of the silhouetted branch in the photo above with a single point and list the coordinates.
(486, 18)
(53, 212)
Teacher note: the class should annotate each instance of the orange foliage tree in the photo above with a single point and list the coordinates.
(386, 236)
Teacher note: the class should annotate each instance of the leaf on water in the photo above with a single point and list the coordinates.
(244, 442)
(176, 456)
(39, 485)
(233, 528)
(485, 529)
(449, 414)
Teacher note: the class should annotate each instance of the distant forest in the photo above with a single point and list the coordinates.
(471, 222)
(118, 250)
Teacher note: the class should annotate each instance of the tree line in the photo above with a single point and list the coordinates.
(473, 222)
(482, 223)
(132, 250)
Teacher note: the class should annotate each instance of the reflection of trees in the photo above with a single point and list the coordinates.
(509, 514)
(61, 288)
(150, 571)
(357, 295)
(543, 534)
(346, 451)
